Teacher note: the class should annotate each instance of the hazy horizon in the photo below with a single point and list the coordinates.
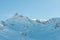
(39, 9)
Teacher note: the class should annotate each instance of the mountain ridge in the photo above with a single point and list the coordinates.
(20, 27)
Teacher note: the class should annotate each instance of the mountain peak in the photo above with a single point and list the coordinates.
(18, 15)
(19, 18)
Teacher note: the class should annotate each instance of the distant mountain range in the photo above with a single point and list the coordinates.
(22, 28)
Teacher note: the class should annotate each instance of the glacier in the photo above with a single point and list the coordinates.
(20, 27)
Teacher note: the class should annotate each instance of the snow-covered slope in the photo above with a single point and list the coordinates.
(22, 28)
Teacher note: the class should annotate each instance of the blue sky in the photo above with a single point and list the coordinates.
(40, 9)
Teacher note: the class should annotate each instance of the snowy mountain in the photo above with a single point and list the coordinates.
(22, 28)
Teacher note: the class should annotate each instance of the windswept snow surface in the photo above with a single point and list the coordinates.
(22, 28)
